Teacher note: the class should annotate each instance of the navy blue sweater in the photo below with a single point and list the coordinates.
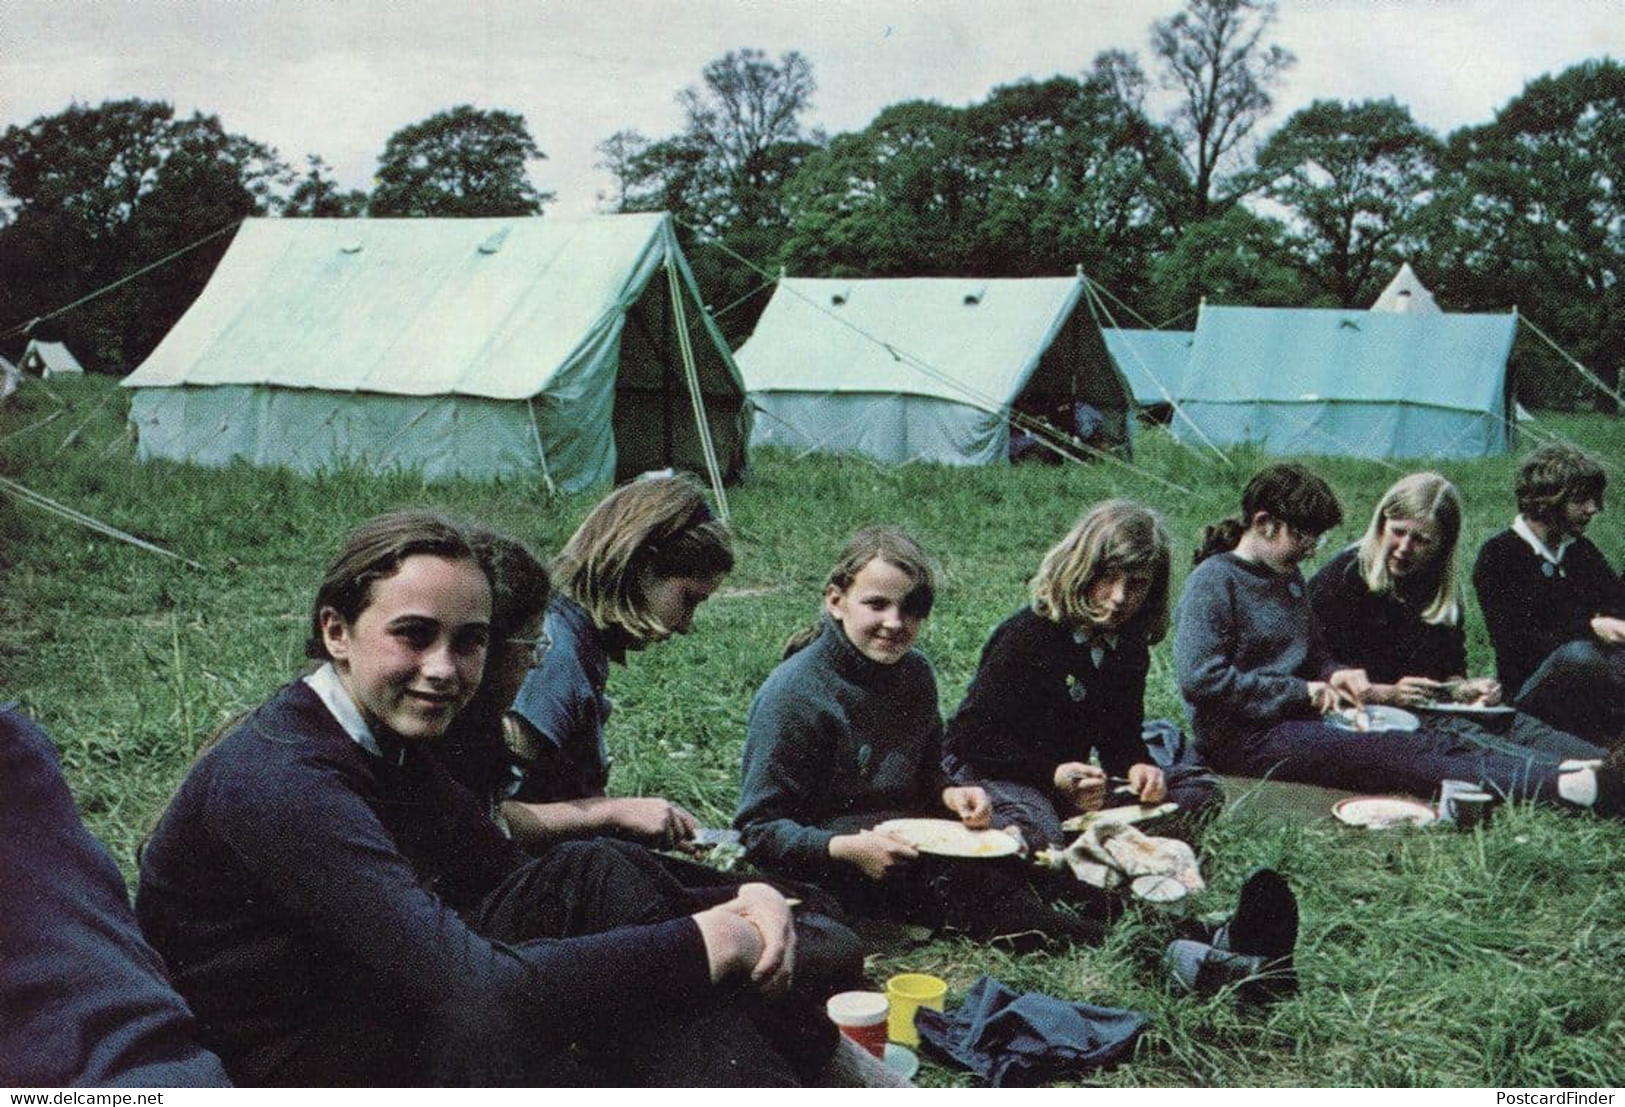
(291, 860)
(83, 999)
(1038, 700)
(1382, 632)
(1528, 613)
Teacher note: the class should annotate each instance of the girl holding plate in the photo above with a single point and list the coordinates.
(846, 734)
(1259, 682)
(1391, 604)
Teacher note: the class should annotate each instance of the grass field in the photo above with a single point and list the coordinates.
(1429, 958)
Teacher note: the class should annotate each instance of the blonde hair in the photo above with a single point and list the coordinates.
(896, 549)
(658, 526)
(1118, 536)
(1420, 496)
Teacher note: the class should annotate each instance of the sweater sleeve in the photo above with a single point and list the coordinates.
(993, 732)
(323, 858)
(1205, 645)
(1520, 638)
(1117, 734)
(786, 759)
(1334, 611)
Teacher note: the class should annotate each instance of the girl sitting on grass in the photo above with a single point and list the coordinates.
(632, 575)
(846, 733)
(337, 911)
(1065, 677)
(1391, 605)
(1258, 680)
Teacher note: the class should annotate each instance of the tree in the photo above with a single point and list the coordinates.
(461, 162)
(1213, 54)
(1529, 213)
(1235, 258)
(1354, 178)
(96, 193)
(318, 196)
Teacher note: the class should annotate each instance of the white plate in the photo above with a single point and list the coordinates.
(1467, 708)
(947, 838)
(901, 1060)
(1383, 812)
(1377, 717)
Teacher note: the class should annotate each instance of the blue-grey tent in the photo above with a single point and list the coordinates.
(1153, 362)
(1351, 383)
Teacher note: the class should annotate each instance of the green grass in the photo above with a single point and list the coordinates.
(1428, 958)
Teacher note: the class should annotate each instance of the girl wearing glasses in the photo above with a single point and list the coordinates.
(1258, 681)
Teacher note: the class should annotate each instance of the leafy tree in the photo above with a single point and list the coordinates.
(95, 193)
(1214, 55)
(1353, 177)
(1529, 213)
(1235, 258)
(461, 162)
(317, 195)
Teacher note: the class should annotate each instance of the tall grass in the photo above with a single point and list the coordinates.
(1428, 957)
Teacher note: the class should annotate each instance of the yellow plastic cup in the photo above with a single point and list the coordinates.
(909, 992)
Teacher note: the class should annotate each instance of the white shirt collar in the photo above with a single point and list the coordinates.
(1520, 527)
(330, 690)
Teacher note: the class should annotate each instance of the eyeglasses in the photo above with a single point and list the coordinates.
(1306, 540)
(538, 647)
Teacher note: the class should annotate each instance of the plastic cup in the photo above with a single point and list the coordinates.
(861, 1016)
(909, 992)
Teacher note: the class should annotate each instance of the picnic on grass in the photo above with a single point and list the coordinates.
(409, 866)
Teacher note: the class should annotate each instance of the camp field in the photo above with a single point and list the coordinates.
(1428, 958)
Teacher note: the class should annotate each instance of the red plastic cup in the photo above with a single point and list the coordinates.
(861, 1016)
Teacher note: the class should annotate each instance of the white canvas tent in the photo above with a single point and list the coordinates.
(49, 359)
(8, 379)
(926, 368)
(538, 347)
(1406, 293)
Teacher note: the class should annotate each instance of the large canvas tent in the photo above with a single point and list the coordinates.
(1406, 293)
(926, 368)
(1353, 383)
(460, 347)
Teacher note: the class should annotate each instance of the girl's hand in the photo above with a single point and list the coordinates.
(871, 852)
(1148, 783)
(733, 944)
(971, 804)
(769, 912)
(1409, 692)
(1351, 686)
(1080, 785)
(1609, 630)
(1321, 697)
(1485, 692)
(654, 822)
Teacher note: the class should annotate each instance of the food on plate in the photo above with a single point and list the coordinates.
(950, 839)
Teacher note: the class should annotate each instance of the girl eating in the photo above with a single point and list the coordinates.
(1258, 680)
(1391, 604)
(846, 733)
(1065, 677)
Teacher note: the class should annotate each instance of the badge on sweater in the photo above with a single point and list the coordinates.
(1075, 688)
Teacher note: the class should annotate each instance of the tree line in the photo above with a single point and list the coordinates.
(1038, 178)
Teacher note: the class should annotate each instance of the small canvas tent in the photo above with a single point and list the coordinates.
(1153, 362)
(8, 379)
(1406, 293)
(49, 359)
(460, 347)
(926, 368)
(1352, 383)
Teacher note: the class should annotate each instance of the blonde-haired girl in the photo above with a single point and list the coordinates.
(846, 733)
(1065, 677)
(632, 575)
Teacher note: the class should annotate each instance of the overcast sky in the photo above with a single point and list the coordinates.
(338, 78)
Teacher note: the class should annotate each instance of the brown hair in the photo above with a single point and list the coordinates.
(1286, 491)
(1420, 496)
(1556, 475)
(895, 548)
(374, 551)
(1118, 536)
(657, 526)
(520, 587)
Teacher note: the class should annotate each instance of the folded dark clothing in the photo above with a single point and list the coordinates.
(1024, 1040)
